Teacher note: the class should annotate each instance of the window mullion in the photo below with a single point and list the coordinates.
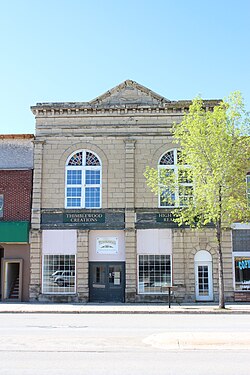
(83, 187)
(177, 196)
(175, 156)
(83, 158)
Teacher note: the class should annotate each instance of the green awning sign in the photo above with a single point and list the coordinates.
(14, 231)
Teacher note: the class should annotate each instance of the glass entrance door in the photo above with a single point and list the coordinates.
(106, 281)
(203, 281)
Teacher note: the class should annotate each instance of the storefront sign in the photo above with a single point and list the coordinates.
(166, 217)
(107, 245)
(84, 217)
(244, 264)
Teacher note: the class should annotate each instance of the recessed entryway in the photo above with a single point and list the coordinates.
(12, 279)
(106, 266)
(106, 281)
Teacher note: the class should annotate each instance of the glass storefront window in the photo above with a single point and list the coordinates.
(154, 273)
(59, 274)
(242, 273)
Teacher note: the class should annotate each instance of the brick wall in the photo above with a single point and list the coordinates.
(16, 186)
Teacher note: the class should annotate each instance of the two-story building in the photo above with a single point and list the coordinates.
(98, 233)
(16, 169)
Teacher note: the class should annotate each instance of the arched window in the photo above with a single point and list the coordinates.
(83, 180)
(178, 195)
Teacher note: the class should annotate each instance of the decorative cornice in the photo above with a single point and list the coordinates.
(85, 109)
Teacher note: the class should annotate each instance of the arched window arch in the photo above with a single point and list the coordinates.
(83, 180)
(170, 161)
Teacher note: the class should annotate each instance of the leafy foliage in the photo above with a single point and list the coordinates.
(216, 145)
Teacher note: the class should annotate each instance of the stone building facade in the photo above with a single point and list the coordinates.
(98, 233)
(16, 168)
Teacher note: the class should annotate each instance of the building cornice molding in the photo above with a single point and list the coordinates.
(86, 109)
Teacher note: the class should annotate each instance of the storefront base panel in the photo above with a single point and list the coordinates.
(130, 297)
(151, 298)
(242, 296)
(179, 299)
(139, 298)
(163, 298)
(49, 298)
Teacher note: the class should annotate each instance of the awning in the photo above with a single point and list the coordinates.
(14, 231)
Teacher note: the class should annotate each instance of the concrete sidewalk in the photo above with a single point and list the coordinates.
(91, 308)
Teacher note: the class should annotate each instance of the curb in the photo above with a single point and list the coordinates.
(135, 312)
(88, 308)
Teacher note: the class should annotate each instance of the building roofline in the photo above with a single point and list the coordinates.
(99, 104)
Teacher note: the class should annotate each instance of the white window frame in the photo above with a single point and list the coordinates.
(82, 186)
(175, 169)
(58, 292)
(138, 280)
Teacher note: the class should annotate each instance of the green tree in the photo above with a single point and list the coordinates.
(216, 145)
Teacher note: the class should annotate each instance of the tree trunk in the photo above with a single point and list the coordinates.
(220, 267)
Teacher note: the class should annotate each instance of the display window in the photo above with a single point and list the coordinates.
(242, 272)
(154, 273)
(59, 274)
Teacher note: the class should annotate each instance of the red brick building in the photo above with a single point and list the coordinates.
(16, 169)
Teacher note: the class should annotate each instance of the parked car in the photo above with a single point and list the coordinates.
(56, 274)
(66, 278)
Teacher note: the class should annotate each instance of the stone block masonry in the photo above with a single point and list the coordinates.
(128, 128)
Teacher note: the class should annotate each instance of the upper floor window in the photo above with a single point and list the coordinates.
(182, 187)
(83, 180)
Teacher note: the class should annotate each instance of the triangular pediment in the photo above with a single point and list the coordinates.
(129, 93)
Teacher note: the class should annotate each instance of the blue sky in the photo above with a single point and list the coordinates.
(75, 50)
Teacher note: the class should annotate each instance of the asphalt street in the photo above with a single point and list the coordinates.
(124, 344)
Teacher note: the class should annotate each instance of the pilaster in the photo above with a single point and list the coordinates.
(35, 264)
(131, 272)
(82, 265)
(37, 184)
(130, 233)
(129, 174)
